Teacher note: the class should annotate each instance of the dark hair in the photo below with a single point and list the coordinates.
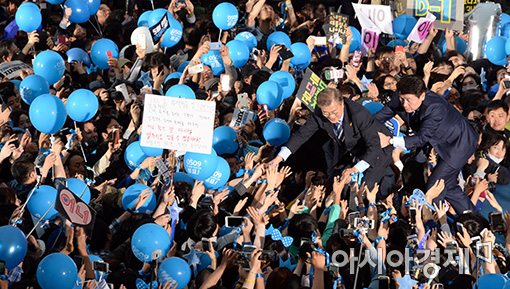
(327, 96)
(159, 59)
(7, 90)
(489, 139)
(7, 196)
(201, 225)
(21, 170)
(5, 46)
(302, 226)
(473, 222)
(411, 85)
(495, 105)
(282, 278)
(382, 50)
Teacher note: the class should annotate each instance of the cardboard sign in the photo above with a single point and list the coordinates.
(375, 16)
(310, 88)
(422, 28)
(370, 39)
(158, 29)
(449, 14)
(12, 69)
(178, 123)
(469, 5)
(242, 117)
(336, 28)
(74, 209)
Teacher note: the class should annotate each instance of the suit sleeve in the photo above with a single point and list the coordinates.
(431, 122)
(389, 110)
(303, 134)
(369, 129)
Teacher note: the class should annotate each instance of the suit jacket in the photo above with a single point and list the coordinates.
(360, 139)
(439, 124)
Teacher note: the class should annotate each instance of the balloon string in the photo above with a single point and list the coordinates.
(152, 2)
(219, 38)
(42, 217)
(81, 147)
(93, 26)
(99, 26)
(20, 214)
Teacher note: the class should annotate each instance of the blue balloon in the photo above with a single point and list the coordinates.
(238, 53)
(373, 107)
(492, 281)
(82, 105)
(505, 30)
(276, 38)
(99, 274)
(151, 152)
(302, 55)
(156, 16)
(78, 55)
(276, 132)
(403, 25)
(81, 13)
(397, 42)
(57, 271)
(355, 41)
(173, 75)
(225, 16)
(79, 188)
(33, 86)
(16, 83)
(200, 166)
(183, 66)
(286, 82)
(173, 34)
(42, 199)
(495, 50)
(93, 6)
(460, 45)
(507, 46)
(181, 91)
(248, 38)
(148, 240)
(55, 2)
(270, 94)
(50, 65)
(134, 156)
(99, 52)
(183, 177)
(47, 113)
(219, 177)
(143, 20)
(214, 61)
(13, 246)
(225, 140)
(504, 19)
(78, 284)
(28, 17)
(174, 268)
(131, 195)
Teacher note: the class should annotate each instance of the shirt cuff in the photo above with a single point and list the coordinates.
(399, 142)
(284, 153)
(362, 166)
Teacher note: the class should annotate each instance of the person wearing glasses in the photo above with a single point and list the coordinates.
(353, 145)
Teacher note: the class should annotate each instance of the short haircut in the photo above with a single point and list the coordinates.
(495, 105)
(21, 170)
(327, 96)
(411, 85)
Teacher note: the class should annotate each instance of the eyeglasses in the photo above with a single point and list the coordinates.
(327, 114)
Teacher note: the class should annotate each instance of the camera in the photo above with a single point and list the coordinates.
(116, 95)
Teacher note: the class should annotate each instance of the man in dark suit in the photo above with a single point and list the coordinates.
(353, 134)
(435, 122)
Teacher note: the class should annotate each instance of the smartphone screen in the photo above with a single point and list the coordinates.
(353, 216)
(100, 266)
(285, 53)
(320, 41)
(506, 84)
(225, 82)
(62, 39)
(496, 221)
(412, 215)
(243, 100)
(206, 245)
(384, 282)
(215, 45)
(234, 221)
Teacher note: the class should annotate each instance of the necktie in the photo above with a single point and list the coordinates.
(339, 130)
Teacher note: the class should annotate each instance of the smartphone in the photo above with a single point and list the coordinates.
(243, 100)
(268, 256)
(109, 53)
(353, 216)
(2, 267)
(333, 74)
(334, 270)
(384, 282)
(412, 215)
(225, 82)
(460, 227)
(196, 68)
(248, 249)
(101, 266)
(399, 48)
(206, 245)
(496, 222)
(320, 41)
(356, 58)
(78, 260)
(215, 46)
(122, 88)
(263, 107)
(285, 53)
(506, 84)
(233, 221)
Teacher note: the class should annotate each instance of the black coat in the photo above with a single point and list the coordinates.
(360, 140)
(436, 123)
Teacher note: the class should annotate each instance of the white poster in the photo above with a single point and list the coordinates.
(374, 16)
(178, 123)
(12, 69)
(422, 28)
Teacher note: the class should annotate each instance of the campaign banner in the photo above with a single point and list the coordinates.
(370, 39)
(178, 123)
(310, 88)
(469, 5)
(158, 29)
(422, 28)
(375, 16)
(74, 209)
(449, 14)
(13, 69)
(336, 28)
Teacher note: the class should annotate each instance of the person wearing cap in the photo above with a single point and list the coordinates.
(99, 88)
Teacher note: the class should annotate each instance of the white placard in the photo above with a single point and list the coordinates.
(178, 123)
(422, 28)
(13, 69)
(374, 16)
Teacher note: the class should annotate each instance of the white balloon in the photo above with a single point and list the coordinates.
(481, 23)
(142, 36)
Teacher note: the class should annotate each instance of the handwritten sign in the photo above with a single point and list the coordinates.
(422, 28)
(13, 69)
(449, 13)
(74, 209)
(370, 37)
(158, 29)
(469, 5)
(336, 28)
(375, 16)
(178, 124)
(310, 88)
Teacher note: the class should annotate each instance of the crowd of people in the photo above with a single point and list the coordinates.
(343, 203)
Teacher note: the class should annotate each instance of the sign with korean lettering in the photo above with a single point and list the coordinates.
(74, 209)
(310, 88)
(336, 28)
(370, 39)
(469, 5)
(422, 28)
(178, 124)
(158, 29)
(13, 69)
(374, 16)
(449, 13)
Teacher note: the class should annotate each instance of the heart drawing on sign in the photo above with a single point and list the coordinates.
(77, 211)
